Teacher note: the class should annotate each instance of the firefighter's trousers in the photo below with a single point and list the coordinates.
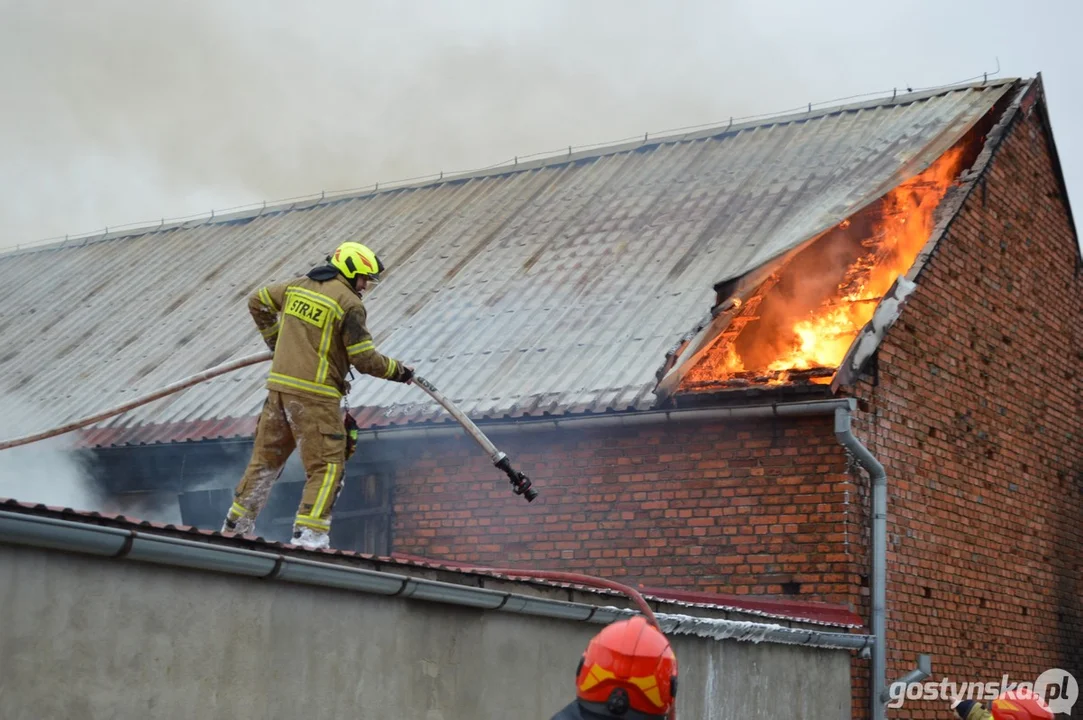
(314, 426)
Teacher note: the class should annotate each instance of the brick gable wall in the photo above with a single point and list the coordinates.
(975, 411)
(754, 508)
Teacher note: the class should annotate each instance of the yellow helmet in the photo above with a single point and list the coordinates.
(353, 259)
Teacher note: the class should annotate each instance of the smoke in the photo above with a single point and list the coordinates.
(49, 472)
(121, 111)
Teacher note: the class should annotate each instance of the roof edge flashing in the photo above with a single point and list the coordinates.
(719, 629)
(630, 418)
(64, 535)
(622, 419)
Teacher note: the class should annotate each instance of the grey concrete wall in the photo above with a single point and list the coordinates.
(96, 639)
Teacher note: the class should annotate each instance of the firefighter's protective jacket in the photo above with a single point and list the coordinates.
(317, 330)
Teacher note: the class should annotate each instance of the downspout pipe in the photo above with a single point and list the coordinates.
(878, 582)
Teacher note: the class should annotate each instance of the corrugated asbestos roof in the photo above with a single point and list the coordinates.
(548, 289)
(803, 611)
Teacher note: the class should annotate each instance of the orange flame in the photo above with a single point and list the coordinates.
(822, 338)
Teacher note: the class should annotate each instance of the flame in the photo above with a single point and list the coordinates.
(821, 338)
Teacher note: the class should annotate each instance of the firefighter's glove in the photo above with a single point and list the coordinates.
(351, 435)
(405, 374)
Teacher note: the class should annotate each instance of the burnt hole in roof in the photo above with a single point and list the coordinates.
(9, 355)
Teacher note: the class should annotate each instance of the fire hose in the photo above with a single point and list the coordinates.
(520, 483)
(578, 579)
(131, 404)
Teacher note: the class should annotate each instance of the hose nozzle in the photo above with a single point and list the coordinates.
(520, 483)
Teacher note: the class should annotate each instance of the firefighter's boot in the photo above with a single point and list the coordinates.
(240, 525)
(310, 539)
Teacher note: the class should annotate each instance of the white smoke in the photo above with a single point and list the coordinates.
(59, 473)
(49, 472)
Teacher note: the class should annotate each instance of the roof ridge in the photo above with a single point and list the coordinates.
(544, 159)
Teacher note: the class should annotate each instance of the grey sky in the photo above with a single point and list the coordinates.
(116, 112)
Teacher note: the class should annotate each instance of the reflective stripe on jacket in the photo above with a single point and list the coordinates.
(317, 330)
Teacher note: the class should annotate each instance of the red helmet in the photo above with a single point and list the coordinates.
(628, 666)
(1021, 705)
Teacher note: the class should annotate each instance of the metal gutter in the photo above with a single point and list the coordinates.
(68, 536)
(624, 419)
(878, 581)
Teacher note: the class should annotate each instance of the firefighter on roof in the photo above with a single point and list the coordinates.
(315, 325)
(628, 672)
